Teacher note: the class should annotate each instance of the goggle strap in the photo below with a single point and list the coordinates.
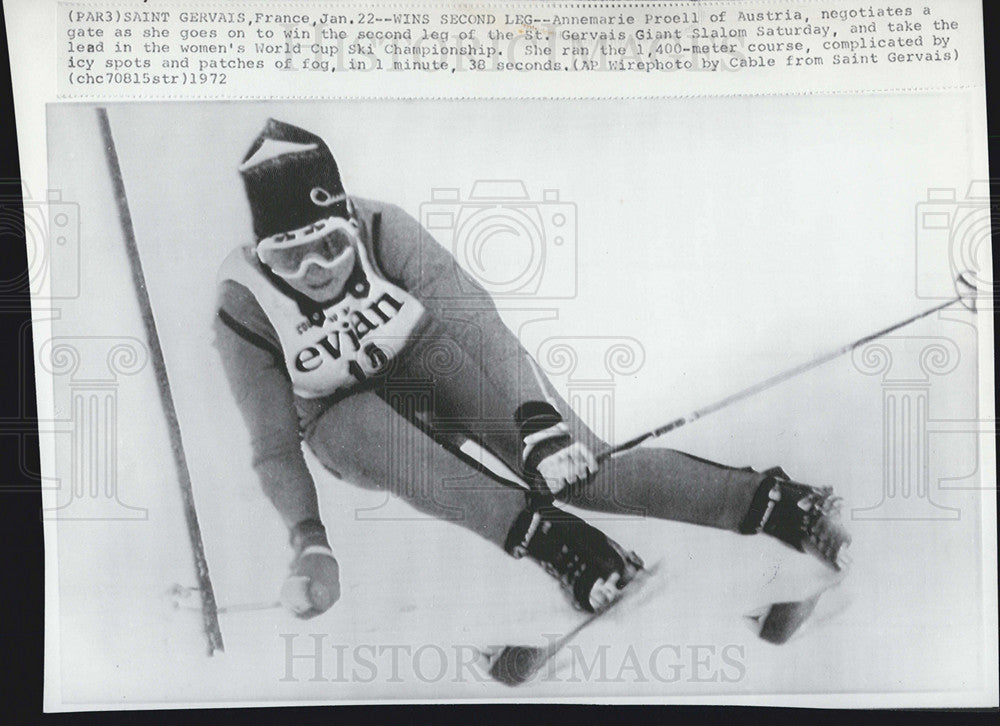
(271, 242)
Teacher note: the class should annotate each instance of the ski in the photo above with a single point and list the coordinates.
(778, 622)
(513, 665)
(775, 623)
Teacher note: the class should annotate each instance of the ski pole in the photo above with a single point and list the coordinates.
(966, 297)
(178, 594)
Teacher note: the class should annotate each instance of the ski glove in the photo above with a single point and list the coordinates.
(313, 585)
(550, 458)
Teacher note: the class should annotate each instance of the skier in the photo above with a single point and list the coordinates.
(347, 327)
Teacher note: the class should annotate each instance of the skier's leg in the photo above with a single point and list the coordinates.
(363, 440)
(669, 484)
(461, 398)
(366, 441)
(441, 389)
(648, 481)
(654, 481)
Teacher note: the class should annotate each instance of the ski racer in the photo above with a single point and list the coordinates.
(346, 327)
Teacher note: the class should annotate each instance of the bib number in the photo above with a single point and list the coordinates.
(377, 359)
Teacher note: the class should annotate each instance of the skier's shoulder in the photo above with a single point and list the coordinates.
(367, 208)
(236, 302)
(392, 238)
(393, 219)
(241, 276)
(238, 266)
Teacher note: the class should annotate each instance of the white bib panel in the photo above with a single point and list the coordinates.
(358, 338)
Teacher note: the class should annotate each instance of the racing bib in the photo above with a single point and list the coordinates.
(359, 336)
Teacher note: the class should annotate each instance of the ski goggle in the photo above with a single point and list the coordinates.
(322, 243)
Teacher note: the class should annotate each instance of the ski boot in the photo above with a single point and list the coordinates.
(592, 567)
(802, 516)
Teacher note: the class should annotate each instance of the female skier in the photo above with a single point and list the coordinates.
(347, 327)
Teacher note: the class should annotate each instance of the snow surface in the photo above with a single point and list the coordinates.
(731, 238)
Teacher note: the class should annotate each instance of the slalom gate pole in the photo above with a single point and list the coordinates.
(209, 611)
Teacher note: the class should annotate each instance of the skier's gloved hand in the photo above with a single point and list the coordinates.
(550, 458)
(572, 464)
(313, 585)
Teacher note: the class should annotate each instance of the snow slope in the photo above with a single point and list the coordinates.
(723, 239)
